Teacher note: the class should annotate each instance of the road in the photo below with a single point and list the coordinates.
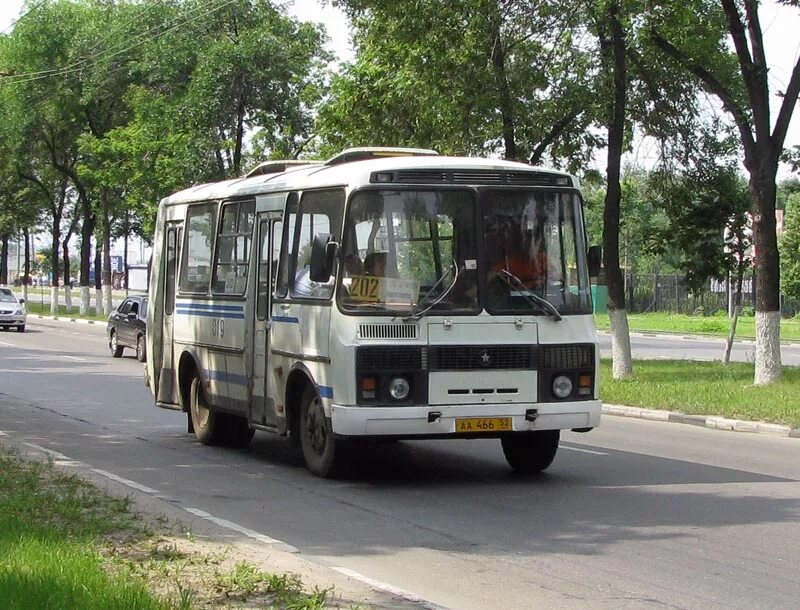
(695, 348)
(635, 514)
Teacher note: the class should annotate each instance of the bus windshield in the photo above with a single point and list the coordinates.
(535, 249)
(410, 251)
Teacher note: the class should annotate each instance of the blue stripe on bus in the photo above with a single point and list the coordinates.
(209, 306)
(210, 314)
(289, 319)
(325, 391)
(233, 378)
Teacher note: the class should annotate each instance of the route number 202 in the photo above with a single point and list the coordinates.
(217, 327)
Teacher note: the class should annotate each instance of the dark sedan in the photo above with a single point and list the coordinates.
(127, 327)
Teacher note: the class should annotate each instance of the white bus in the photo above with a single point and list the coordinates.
(386, 293)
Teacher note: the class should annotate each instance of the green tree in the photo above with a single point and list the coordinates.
(739, 80)
(466, 77)
(790, 248)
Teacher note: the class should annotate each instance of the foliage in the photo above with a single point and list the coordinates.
(471, 77)
(790, 248)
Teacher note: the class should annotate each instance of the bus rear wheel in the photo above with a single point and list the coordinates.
(321, 451)
(530, 452)
(209, 426)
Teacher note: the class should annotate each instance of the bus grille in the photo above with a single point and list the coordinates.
(566, 357)
(480, 357)
(522, 178)
(389, 358)
(387, 331)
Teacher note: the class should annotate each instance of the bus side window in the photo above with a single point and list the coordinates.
(233, 248)
(196, 262)
(320, 212)
(282, 286)
(277, 235)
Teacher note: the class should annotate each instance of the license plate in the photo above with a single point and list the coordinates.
(483, 424)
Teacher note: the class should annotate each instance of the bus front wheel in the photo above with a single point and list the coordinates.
(209, 426)
(321, 451)
(529, 452)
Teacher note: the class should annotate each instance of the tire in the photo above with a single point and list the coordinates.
(209, 425)
(322, 452)
(114, 346)
(530, 452)
(21, 328)
(141, 349)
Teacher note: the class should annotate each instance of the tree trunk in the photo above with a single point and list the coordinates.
(613, 47)
(87, 230)
(54, 261)
(26, 279)
(504, 101)
(66, 270)
(737, 309)
(4, 259)
(767, 264)
(98, 281)
(105, 226)
(125, 253)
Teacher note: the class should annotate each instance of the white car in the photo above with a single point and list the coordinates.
(12, 310)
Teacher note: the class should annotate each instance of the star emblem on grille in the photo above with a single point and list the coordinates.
(485, 358)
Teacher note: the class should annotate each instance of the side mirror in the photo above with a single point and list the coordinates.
(323, 257)
(132, 315)
(21, 301)
(594, 258)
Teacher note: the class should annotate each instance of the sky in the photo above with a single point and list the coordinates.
(779, 23)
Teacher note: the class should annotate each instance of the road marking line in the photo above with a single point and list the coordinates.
(386, 587)
(233, 526)
(582, 450)
(126, 482)
(3, 433)
(7, 344)
(50, 452)
(75, 358)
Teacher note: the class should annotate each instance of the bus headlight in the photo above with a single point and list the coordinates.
(562, 386)
(399, 388)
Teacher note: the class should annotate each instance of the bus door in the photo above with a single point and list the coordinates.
(262, 407)
(167, 386)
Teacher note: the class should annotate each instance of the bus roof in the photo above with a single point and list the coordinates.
(405, 170)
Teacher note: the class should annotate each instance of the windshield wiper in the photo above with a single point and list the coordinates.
(416, 313)
(532, 298)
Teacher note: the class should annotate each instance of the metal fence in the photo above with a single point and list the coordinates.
(667, 293)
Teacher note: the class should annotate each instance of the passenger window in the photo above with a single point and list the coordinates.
(320, 212)
(125, 307)
(233, 248)
(288, 234)
(196, 260)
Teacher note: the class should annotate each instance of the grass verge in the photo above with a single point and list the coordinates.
(38, 308)
(64, 545)
(705, 388)
(716, 326)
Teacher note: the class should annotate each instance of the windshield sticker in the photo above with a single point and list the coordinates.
(470, 264)
(371, 289)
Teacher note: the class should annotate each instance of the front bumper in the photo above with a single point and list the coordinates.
(12, 320)
(424, 421)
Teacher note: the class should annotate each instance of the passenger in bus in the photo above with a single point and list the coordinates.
(521, 255)
(353, 265)
(375, 264)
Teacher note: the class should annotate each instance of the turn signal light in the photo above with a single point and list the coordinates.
(368, 385)
(585, 385)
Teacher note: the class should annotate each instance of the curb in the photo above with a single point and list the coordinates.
(704, 421)
(694, 337)
(64, 319)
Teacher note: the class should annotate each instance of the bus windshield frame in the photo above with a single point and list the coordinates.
(461, 250)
